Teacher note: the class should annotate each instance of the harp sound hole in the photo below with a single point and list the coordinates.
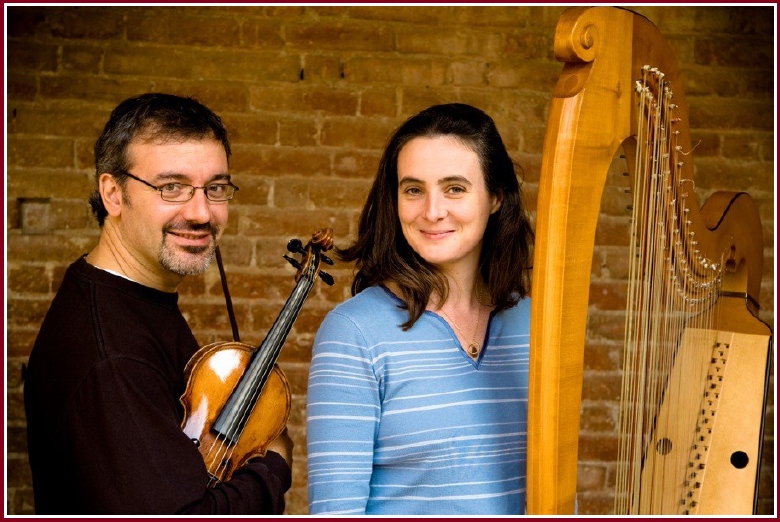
(663, 446)
(739, 459)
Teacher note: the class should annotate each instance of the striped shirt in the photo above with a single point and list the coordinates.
(407, 423)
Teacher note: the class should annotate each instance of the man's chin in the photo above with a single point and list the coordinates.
(192, 261)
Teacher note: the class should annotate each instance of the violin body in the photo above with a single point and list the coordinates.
(212, 374)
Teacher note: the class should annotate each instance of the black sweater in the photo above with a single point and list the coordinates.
(104, 418)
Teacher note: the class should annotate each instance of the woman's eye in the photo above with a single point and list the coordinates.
(414, 191)
(456, 189)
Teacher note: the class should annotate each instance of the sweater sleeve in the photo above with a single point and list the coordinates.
(133, 456)
(342, 419)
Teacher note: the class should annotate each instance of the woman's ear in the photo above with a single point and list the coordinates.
(111, 193)
(496, 203)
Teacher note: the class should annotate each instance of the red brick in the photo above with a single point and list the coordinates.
(509, 16)
(110, 90)
(737, 114)
(360, 133)
(304, 98)
(598, 448)
(378, 101)
(386, 70)
(338, 35)
(358, 164)
(25, 20)
(437, 40)
(20, 340)
(21, 86)
(49, 153)
(174, 26)
(590, 478)
(30, 279)
(82, 58)
(264, 34)
(602, 387)
(599, 418)
(298, 132)
(345, 194)
(412, 14)
(608, 295)
(321, 69)
(32, 55)
(88, 22)
(280, 161)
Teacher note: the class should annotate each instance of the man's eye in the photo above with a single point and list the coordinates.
(217, 189)
(172, 188)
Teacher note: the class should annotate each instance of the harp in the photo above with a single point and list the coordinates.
(696, 360)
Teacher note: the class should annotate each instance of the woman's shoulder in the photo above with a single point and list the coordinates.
(521, 310)
(364, 317)
(369, 300)
(512, 321)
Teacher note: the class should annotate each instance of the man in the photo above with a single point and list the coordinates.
(107, 370)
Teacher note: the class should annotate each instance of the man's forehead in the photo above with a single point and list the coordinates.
(172, 150)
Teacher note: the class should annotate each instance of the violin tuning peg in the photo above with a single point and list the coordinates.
(327, 278)
(326, 259)
(295, 245)
(292, 261)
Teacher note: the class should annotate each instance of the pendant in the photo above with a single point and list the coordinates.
(473, 350)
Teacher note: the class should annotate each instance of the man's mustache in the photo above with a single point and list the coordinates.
(185, 227)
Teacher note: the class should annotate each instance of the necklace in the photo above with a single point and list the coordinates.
(474, 347)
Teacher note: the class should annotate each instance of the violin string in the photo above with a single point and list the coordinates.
(216, 461)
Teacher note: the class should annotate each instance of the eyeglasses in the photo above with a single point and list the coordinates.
(181, 192)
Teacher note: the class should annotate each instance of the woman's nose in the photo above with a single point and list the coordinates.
(435, 208)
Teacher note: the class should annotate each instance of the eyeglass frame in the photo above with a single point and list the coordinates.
(192, 192)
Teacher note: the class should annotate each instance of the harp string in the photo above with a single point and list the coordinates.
(671, 290)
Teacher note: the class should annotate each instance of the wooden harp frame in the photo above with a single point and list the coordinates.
(592, 114)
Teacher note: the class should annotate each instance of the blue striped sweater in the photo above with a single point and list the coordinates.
(406, 423)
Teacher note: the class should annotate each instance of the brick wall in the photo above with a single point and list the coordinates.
(310, 95)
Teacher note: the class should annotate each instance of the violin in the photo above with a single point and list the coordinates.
(237, 399)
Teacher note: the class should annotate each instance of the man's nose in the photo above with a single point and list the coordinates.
(198, 209)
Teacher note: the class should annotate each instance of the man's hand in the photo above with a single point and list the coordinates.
(283, 445)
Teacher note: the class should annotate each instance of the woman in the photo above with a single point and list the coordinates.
(417, 398)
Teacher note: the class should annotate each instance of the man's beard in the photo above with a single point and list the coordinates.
(187, 260)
